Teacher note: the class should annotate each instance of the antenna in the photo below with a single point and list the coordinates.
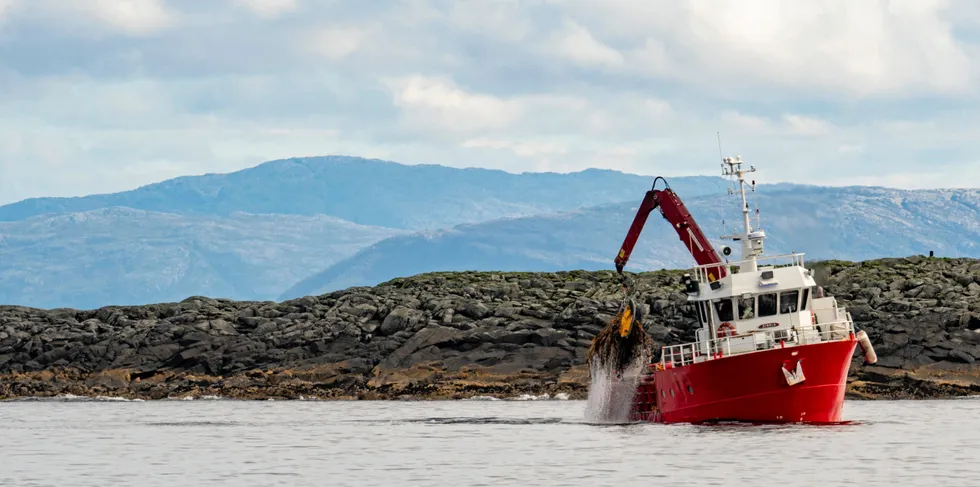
(721, 155)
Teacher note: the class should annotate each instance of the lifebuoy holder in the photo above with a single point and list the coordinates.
(725, 330)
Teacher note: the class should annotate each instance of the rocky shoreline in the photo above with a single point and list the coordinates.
(462, 335)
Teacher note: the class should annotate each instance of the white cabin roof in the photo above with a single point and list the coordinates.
(764, 280)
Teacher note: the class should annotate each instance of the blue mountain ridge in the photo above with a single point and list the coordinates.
(853, 223)
(252, 234)
(313, 224)
(368, 192)
(125, 256)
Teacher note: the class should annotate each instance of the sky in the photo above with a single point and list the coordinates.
(106, 95)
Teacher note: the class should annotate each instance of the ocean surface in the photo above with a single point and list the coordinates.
(74, 442)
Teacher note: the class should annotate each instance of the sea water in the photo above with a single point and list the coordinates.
(544, 442)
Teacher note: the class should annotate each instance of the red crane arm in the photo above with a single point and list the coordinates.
(650, 202)
(674, 211)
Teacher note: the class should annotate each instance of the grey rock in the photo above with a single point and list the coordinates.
(890, 362)
(427, 337)
(475, 310)
(961, 356)
(399, 319)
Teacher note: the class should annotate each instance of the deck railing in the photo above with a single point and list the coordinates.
(701, 272)
(688, 353)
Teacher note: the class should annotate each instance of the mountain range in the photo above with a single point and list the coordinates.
(300, 226)
(367, 192)
(122, 255)
(852, 223)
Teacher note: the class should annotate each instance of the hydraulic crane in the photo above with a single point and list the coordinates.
(620, 343)
(674, 211)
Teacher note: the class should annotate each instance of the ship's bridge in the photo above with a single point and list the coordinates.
(760, 303)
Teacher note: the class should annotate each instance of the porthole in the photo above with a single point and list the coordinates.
(690, 390)
(671, 393)
(663, 393)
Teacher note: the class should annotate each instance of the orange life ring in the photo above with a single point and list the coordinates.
(726, 329)
(813, 318)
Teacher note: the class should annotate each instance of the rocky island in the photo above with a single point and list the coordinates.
(463, 334)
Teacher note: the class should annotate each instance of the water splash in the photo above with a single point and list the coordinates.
(611, 394)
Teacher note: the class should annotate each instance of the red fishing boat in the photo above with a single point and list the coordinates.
(769, 346)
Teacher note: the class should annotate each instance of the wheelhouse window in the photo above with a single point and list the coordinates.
(746, 308)
(806, 295)
(767, 304)
(789, 301)
(702, 316)
(724, 309)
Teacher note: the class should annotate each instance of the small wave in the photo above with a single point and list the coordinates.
(531, 397)
(482, 398)
(192, 423)
(486, 420)
(208, 397)
(561, 396)
(180, 398)
(74, 398)
(115, 399)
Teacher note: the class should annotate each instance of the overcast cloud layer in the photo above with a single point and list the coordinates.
(106, 95)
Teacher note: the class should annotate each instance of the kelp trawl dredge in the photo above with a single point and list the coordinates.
(770, 347)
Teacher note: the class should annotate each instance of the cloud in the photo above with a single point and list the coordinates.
(535, 149)
(106, 95)
(127, 17)
(268, 8)
(437, 103)
(336, 43)
(788, 124)
(577, 44)
(801, 125)
(857, 49)
(131, 16)
(6, 6)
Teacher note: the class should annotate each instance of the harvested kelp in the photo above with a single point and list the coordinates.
(622, 342)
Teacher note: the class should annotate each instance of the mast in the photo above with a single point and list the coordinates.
(750, 239)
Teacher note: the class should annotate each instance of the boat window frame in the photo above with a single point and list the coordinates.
(702, 315)
(751, 308)
(716, 305)
(709, 318)
(775, 305)
(796, 304)
(805, 303)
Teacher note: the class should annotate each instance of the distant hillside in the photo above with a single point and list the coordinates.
(125, 256)
(371, 192)
(307, 225)
(854, 223)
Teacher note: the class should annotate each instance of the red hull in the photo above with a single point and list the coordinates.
(751, 387)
